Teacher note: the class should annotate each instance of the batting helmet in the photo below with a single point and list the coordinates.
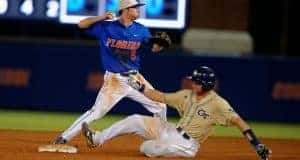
(204, 76)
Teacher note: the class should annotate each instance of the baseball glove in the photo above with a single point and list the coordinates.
(263, 152)
(135, 83)
(162, 39)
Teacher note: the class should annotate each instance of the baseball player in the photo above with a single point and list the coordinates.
(200, 109)
(120, 42)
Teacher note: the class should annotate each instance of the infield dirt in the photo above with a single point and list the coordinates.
(22, 145)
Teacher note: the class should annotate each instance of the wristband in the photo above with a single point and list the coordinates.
(249, 134)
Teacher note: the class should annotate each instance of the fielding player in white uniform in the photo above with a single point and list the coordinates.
(120, 42)
(200, 110)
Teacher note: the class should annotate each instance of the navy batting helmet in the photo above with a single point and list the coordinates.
(204, 76)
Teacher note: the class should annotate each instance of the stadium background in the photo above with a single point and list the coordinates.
(48, 65)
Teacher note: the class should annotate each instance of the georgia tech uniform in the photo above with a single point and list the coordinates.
(197, 119)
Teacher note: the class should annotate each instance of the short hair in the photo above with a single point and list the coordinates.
(120, 12)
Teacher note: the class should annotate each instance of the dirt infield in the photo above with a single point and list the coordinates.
(22, 145)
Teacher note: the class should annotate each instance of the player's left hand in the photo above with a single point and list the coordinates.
(160, 41)
(263, 152)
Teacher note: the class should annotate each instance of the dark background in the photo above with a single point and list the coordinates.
(59, 60)
(271, 23)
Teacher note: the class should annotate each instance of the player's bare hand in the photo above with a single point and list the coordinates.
(110, 15)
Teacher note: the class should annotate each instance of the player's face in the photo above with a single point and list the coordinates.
(133, 13)
(197, 88)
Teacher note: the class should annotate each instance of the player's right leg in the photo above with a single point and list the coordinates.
(144, 126)
(113, 90)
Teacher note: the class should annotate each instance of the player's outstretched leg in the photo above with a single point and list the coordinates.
(132, 124)
(88, 117)
(107, 97)
(104, 103)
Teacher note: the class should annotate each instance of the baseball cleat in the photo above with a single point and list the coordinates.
(60, 140)
(89, 135)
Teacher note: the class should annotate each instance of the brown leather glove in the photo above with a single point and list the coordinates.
(162, 39)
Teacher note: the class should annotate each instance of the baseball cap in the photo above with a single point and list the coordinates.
(129, 3)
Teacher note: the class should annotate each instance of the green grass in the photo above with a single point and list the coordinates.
(53, 121)
(267, 130)
(45, 121)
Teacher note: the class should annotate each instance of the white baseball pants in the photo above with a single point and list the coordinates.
(162, 138)
(115, 87)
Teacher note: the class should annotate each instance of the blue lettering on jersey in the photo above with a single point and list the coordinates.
(119, 45)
